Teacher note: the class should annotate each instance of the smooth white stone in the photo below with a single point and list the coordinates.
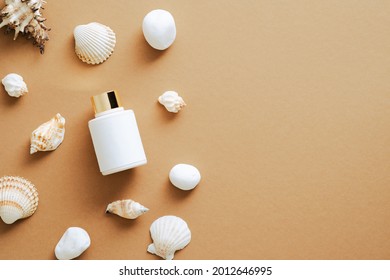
(159, 29)
(184, 176)
(72, 244)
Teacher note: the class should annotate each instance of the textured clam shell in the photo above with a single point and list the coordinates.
(127, 208)
(49, 135)
(172, 101)
(94, 42)
(169, 234)
(24, 16)
(14, 85)
(18, 198)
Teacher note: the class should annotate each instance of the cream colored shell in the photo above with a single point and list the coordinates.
(128, 209)
(14, 85)
(18, 198)
(24, 16)
(49, 135)
(94, 42)
(172, 101)
(169, 234)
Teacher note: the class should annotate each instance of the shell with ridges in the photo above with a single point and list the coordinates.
(18, 198)
(94, 42)
(169, 234)
(24, 16)
(49, 135)
(127, 208)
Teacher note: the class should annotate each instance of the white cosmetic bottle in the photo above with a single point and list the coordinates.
(115, 135)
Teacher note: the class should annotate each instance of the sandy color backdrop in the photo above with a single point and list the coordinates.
(287, 121)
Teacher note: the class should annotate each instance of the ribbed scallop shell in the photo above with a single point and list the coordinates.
(169, 234)
(127, 208)
(18, 198)
(94, 42)
(49, 135)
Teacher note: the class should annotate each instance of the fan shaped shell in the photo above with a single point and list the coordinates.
(18, 198)
(94, 42)
(169, 234)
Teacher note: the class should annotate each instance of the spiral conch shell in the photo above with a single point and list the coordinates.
(94, 42)
(169, 234)
(128, 209)
(14, 85)
(48, 136)
(18, 198)
(24, 16)
(172, 101)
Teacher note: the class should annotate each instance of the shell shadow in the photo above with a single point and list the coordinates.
(145, 53)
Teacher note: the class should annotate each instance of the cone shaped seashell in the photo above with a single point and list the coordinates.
(14, 85)
(48, 136)
(18, 198)
(25, 16)
(172, 101)
(128, 209)
(94, 42)
(169, 234)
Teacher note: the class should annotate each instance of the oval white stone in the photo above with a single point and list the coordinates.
(72, 244)
(159, 29)
(184, 176)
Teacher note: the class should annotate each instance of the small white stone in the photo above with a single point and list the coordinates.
(159, 29)
(184, 176)
(14, 85)
(72, 244)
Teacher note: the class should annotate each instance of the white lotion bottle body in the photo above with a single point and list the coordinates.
(116, 140)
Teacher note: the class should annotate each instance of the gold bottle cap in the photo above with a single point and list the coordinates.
(105, 101)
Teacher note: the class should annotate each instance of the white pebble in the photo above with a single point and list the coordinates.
(159, 29)
(184, 176)
(72, 244)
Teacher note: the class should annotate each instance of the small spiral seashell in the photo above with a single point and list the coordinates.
(169, 234)
(94, 42)
(49, 135)
(128, 209)
(171, 101)
(18, 198)
(14, 85)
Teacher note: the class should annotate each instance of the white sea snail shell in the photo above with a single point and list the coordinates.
(172, 101)
(72, 244)
(184, 176)
(14, 85)
(169, 234)
(159, 29)
(127, 208)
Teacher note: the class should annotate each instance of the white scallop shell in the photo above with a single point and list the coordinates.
(172, 101)
(169, 234)
(14, 85)
(184, 176)
(72, 244)
(127, 208)
(18, 198)
(159, 29)
(49, 135)
(94, 42)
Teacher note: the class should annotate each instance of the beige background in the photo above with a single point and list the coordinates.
(287, 120)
